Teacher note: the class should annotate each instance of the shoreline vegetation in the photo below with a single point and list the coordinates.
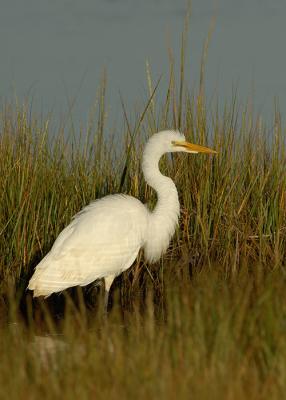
(206, 322)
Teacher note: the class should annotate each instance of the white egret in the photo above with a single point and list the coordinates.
(105, 237)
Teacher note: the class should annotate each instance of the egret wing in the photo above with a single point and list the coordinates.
(102, 240)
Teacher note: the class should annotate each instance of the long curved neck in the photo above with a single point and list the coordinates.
(164, 186)
(164, 218)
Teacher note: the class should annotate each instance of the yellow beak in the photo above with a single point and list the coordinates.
(194, 147)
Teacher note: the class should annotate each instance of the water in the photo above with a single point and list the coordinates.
(54, 52)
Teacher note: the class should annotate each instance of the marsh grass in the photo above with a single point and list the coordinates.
(208, 320)
(221, 339)
(232, 204)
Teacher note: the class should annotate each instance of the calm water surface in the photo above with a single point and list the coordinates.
(54, 51)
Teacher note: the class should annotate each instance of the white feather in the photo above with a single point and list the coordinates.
(104, 238)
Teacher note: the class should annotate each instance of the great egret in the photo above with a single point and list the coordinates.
(104, 238)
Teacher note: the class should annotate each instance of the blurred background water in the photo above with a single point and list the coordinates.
(53, 52)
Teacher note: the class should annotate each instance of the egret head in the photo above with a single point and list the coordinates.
(174, 141)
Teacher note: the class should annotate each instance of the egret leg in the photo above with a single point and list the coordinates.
(107, 282)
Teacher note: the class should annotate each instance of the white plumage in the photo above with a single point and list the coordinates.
(104, 238)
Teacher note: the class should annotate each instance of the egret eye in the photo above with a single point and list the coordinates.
(175, 143)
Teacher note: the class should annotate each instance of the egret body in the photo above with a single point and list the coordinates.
(105, 237)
